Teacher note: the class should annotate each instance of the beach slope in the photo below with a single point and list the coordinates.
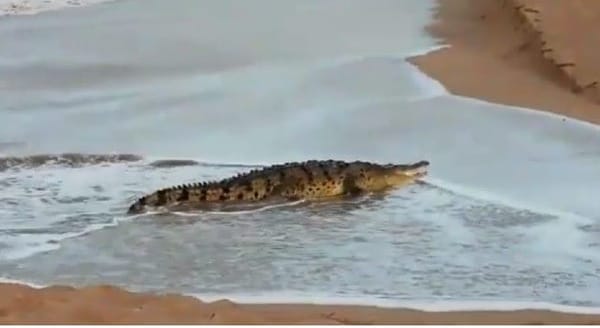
(529, 53)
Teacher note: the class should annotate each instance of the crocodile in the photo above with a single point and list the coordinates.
(308, 180)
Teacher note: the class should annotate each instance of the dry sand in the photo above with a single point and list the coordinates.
(540, 54)
(108, 304)
(533, 53)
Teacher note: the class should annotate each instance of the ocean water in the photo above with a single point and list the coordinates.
(94, 99)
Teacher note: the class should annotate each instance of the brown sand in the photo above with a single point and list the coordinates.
(20, 304)
(533, 53)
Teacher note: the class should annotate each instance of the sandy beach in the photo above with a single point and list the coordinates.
(531, 53)
(21, 304)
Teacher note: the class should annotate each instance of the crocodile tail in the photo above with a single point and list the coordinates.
(160, 198)
(155, 199)
(138, 207)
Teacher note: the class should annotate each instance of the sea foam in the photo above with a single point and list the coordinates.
(31, 7)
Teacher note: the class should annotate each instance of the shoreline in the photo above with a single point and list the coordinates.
(528, 49)
(57, 304)
(301, 298)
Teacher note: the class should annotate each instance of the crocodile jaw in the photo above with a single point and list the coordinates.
(416, 170)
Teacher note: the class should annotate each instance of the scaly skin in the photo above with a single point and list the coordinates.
(313, 179)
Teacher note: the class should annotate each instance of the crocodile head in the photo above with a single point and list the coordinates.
(392, 175)
(400, 172)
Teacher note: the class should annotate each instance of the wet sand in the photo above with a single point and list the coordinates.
(530, 53)
(111, 305)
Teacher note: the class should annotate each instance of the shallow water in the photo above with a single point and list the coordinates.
(508, 213)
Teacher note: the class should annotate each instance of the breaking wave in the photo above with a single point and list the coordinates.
(82, 159)
(65, 159)
(169, 163)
